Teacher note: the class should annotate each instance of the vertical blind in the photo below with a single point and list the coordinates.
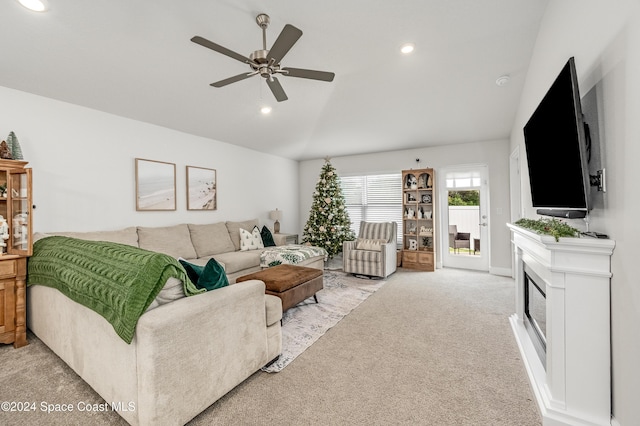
(374, 198)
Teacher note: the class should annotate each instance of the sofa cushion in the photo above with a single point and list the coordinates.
(250, 240)
(234, 230)
(267, 237)
(238, 260)
(210, 239)
(210, 277)
(172, 240)
(127, 236)
(173, 290)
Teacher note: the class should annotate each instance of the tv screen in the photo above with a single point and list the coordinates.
(556, 147)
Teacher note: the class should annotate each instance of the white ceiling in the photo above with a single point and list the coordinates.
(134, 58)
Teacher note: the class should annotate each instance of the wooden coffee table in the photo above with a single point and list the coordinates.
(291, 283)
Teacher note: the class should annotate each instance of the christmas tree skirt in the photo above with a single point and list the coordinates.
(305, 323)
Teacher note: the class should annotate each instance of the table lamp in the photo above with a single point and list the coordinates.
(276, 215)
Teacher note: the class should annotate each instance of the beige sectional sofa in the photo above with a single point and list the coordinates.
(187, 352)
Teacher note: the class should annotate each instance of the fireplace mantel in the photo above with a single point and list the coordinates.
(574, 387)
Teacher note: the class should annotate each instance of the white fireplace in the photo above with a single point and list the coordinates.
(572, 381)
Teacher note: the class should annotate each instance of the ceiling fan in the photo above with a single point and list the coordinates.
(266, 63)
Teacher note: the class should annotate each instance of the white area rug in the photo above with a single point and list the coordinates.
(308, 321)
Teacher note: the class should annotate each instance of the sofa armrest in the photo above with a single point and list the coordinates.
(280, 239)
(204, 345)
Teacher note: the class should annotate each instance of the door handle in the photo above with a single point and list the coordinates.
(483, 224)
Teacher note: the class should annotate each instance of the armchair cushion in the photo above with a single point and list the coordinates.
(369, 244)
(365, 256)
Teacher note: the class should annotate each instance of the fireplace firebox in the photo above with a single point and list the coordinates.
(535, 312)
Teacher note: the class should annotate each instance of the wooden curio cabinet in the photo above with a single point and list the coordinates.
(16, 244)
(418, 219)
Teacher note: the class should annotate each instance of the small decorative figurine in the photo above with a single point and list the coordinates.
(4, 151)
(4, 234)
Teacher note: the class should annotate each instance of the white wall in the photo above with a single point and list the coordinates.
(493, 153)
(83, 165)
(604, 38)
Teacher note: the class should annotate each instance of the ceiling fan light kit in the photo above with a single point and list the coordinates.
(266, 63)
(35, 5)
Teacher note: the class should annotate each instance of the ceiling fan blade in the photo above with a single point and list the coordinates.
(233, 79)
(216, 47)
(311, 74)
(284, 43)
(277, 89)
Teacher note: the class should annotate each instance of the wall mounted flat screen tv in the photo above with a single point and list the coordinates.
(556, 145)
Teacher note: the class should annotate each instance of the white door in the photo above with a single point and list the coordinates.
(464, 213)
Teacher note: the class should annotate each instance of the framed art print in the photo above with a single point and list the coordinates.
(155, 185)
(201, 189)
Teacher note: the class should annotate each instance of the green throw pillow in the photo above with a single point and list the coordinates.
(210, 277)
(267, 238)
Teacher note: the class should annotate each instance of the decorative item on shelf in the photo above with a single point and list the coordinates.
(20, 230)
(3, 190)
(411, 182)
(427, 242)
(14, 147)
(423, 180)
(412, 228)
(425, 231)
(426, 198)
(553, 227)
(4, 151)
(409, 213)
(428, 214)
(4, 234)
(413, 245)
(420, 213)
(276, 215)
(411, 198)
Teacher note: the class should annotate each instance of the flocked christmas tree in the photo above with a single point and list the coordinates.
(328, 224)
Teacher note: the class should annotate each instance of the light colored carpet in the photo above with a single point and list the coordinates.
(305, 323)
(428, 348)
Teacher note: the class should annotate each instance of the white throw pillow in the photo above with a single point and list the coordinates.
(369, 244)
(250, 240)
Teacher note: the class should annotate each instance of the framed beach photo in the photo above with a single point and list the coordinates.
(201, 189)
(155, 185)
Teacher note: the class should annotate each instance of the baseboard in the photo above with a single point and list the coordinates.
(505, 272)
(615, 422)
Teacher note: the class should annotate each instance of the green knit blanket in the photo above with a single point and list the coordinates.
(117, 281)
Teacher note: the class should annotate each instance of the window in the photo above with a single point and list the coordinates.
(374, 198)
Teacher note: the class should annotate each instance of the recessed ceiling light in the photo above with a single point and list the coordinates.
(407, 48)
(35, 5)
(502, 80)
(265, 110)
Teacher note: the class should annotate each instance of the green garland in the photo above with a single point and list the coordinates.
(553, 227)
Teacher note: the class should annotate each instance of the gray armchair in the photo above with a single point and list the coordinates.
(373, 253)
(458, 240)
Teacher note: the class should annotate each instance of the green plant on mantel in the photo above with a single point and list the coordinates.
(553, 227)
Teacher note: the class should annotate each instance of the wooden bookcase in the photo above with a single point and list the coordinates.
(419, 219)
(16, 246)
